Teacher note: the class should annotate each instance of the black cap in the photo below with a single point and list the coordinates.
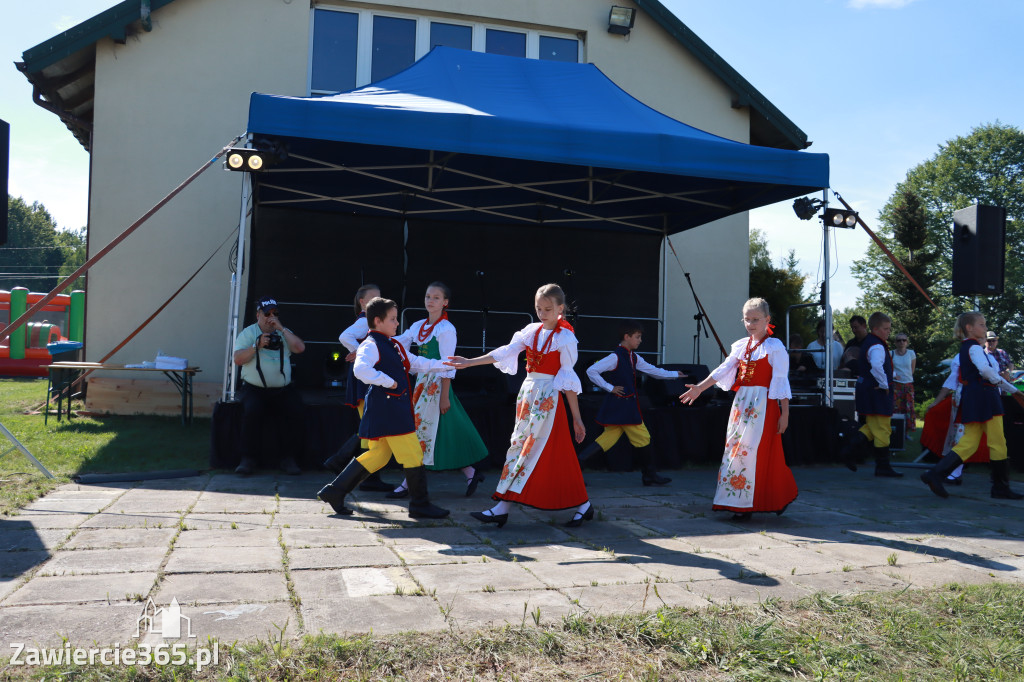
(265, 303)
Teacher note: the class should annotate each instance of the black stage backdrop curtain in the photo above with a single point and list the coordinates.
(320, 259)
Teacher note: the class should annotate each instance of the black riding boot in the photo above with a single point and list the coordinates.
(649, 476)
(936, 476)
(882, 466)
(852, 449)
(346, 452)
(334, 492)
(419, 500)
(589, 452)
(1001, 480)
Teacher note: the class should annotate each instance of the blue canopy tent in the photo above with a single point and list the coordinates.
(483, 140)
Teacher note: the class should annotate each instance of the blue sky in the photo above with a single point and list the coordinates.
(876, 84)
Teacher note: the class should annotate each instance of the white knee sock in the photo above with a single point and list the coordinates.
(469, 472)
(582, 509)
(404, 485)
(501, 508)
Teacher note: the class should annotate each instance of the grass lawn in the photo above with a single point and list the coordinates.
(86, 444)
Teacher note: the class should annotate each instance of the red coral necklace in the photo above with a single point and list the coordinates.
(427, 329)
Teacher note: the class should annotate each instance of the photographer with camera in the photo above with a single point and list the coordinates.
(263, 350)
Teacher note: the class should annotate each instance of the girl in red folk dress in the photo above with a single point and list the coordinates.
(541, 469)
(753, 476)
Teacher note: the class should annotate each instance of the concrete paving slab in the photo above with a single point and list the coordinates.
(499, 576)
(570, 552)
(258, 484)
(49, 519)
(474, 610)
(212, 588)
(747, 591)
(635, 550)
(82, 561)
(522, 532)
(683, 568)
(64, 505)
(49, 625)
(842, 582)
(300, 507)
(299, 538)
(322, 520)
(69, 490)
(153, 501)
(731, 541)
(25, 537)
(579, 574)
(239, 537)
(224, 559)
(442, 554)
(341, 557)
(1009, 546)
(380, 615)
(8, 585)
(14, 564)
(445, 536)
(81, 589)
(607, 600)
(227, 521)
(343, 583)
(243, 622)
(133, 520)
(939, 573)
(120, 538)
(867, 555)
(784, 561)
(233, 503)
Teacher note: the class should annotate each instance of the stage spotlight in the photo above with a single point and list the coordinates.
(620, 20)
(805, 208)
(249, 160)
(838, 217)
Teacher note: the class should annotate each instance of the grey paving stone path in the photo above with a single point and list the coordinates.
(251, 557)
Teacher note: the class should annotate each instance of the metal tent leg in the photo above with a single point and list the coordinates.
(18, 446)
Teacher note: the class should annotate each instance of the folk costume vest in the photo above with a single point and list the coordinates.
(979, 399)
(868, 399)
(621, 410)
(388, 411)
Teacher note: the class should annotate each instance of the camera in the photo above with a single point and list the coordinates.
(274, 341)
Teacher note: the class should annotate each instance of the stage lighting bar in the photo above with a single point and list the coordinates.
(805, 208)
(838, 217)
(621, 20)
(246, 160)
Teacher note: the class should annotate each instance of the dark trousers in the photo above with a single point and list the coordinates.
(281, 405)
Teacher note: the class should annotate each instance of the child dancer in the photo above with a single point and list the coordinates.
(753, 476)
(447, 436)
(620, 411)
(382, 363)
(355, 390)
(541, 469)
(873, 396)
(980, 411)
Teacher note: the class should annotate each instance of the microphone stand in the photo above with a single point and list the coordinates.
(484, 308)
(700, 317)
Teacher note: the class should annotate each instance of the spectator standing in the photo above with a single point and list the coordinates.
(999, 355)
(904, 364)
(816, 349)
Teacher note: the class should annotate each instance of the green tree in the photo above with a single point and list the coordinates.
(37, 254)
(985, 166)
(781, 286)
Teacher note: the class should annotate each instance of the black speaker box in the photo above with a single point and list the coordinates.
(5, 152)
(979, 250)
(667, 391)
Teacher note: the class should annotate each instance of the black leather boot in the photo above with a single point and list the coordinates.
(1001, 480)
(334, 492)
(648, 475)
(346, 452)
(936, 476)
(589, 452)
(852, 449)
(374, 484)
(882, 466)
(419, 501)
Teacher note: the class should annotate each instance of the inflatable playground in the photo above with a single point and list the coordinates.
(34, 345)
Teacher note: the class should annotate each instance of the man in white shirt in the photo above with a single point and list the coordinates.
(816, 349)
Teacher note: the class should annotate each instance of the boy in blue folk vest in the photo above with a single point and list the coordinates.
(620, 411)
(388, 422)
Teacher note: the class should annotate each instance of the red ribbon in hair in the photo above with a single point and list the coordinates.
(770, 328)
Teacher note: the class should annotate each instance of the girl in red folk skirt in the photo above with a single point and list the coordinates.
(541, 469)
(753, 476)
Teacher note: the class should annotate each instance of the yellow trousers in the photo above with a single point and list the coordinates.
(405, 448)
(993, 430)
(637, 434)
(877, 428)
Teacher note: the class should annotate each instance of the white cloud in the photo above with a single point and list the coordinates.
(884, 4)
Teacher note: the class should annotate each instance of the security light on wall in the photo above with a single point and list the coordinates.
(837, 217)
(620, 20)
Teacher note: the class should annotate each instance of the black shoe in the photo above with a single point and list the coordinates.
(882, 466)
(334, 492)
(374, 484)
(936, 476)
(851, 450)
(578, 518)
(472, 483)
(245, 467)
(419, 502)
(344, 455)
(289, 467)
(1001, 481)
(741, 516)
(589, 451)
(399, 493)
(959, 480)
(488, 517)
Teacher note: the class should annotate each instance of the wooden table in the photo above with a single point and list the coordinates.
(63, 374)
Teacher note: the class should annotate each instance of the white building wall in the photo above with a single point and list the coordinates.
(169, 99)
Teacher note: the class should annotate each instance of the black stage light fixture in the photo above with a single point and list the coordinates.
(621, 20)
(805, 208)
(840, 217)
(242, 159)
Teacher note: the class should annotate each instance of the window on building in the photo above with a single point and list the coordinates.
(333, 67)
(451, 35)
(559, 49)
(394, 46)
(508, 43)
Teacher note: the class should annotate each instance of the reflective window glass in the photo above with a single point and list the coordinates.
(506, 42)
(334, 50)
(559, 49)
(451, 35)
(394, 46)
